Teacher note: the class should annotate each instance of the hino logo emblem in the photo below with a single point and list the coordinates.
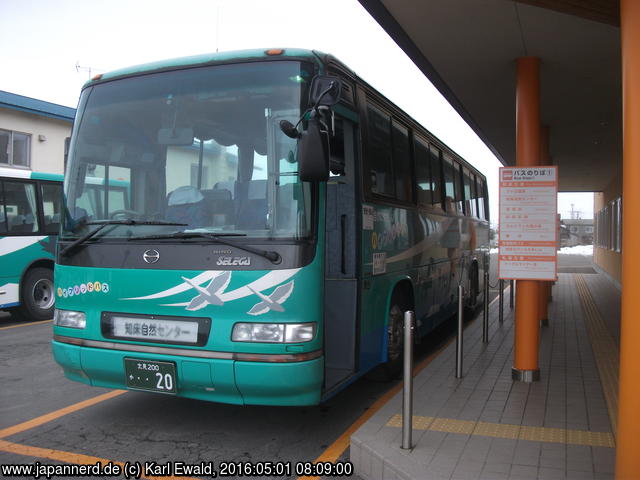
(151, 256)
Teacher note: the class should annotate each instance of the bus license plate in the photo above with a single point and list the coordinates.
(150, 375)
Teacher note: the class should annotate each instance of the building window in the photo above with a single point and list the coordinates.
(15, 149)
(608, 226)
(618, 232)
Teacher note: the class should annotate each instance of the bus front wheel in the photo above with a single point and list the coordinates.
(37, 294)
(395, 336)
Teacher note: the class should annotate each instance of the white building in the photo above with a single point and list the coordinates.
(33, 132)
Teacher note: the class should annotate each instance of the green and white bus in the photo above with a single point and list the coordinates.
(30, 207)
(280, 216)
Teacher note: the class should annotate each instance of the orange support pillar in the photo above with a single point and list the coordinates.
(527, 320)
(627, 457)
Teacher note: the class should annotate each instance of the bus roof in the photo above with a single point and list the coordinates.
(208, 59)
(28, 174)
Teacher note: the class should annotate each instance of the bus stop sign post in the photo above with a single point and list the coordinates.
(485, 316)
(407, 388)
(501, 313)
(459, 332)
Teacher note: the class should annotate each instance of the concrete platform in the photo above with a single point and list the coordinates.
(486, 426)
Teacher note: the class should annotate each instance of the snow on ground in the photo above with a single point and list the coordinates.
(586, 250)
(577, 250)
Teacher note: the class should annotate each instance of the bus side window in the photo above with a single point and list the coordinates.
(401, 162)
(449, 186)
(474, 196)
(480, 191)
(20, 207)
(336, 149)
(379, 164)
(457, 171)
(3, 215)
(469, 197)
(51, 206)
(436, 175)
(424, 186)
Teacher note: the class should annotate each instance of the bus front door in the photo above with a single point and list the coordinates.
(341, 282)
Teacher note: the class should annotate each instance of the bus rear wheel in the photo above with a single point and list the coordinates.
(37, 294)
(474, 290)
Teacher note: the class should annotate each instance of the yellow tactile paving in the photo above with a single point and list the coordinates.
(452, 426)
(498, 430)
(514, 432)
(543, 434)
(604, 347)
(421, 423)
(593, 439)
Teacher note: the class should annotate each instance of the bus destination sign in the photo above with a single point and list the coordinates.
(528, 232)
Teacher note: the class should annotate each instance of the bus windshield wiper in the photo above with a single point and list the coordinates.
(270, 255)
(104, 223)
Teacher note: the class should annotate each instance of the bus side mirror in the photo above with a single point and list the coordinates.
(313, 153)
(325, 90)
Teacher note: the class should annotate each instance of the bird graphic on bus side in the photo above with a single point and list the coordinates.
(209, 295)
(272, 302)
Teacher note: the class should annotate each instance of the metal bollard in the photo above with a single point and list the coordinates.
(460, 331)
(512, 286)
(501, 313)
(407, 390)
(485, 316)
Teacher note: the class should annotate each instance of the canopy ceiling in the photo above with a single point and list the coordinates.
(468, 49)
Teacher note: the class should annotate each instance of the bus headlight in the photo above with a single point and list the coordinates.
(69, 318)
(273, 332)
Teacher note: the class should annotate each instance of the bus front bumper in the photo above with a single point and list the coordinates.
(211, 379)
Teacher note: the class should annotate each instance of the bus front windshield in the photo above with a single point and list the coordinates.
(200, 147)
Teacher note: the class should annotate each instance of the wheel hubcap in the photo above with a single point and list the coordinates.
(43, 294)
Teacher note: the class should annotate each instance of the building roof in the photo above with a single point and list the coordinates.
(13, 101)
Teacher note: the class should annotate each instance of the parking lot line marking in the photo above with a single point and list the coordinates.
(25, 324)
(337, 448)
(72, 458)
(41, 420)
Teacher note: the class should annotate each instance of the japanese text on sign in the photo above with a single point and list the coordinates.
(528, 233)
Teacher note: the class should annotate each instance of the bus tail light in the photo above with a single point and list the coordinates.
(69, 318)
(273, 332)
